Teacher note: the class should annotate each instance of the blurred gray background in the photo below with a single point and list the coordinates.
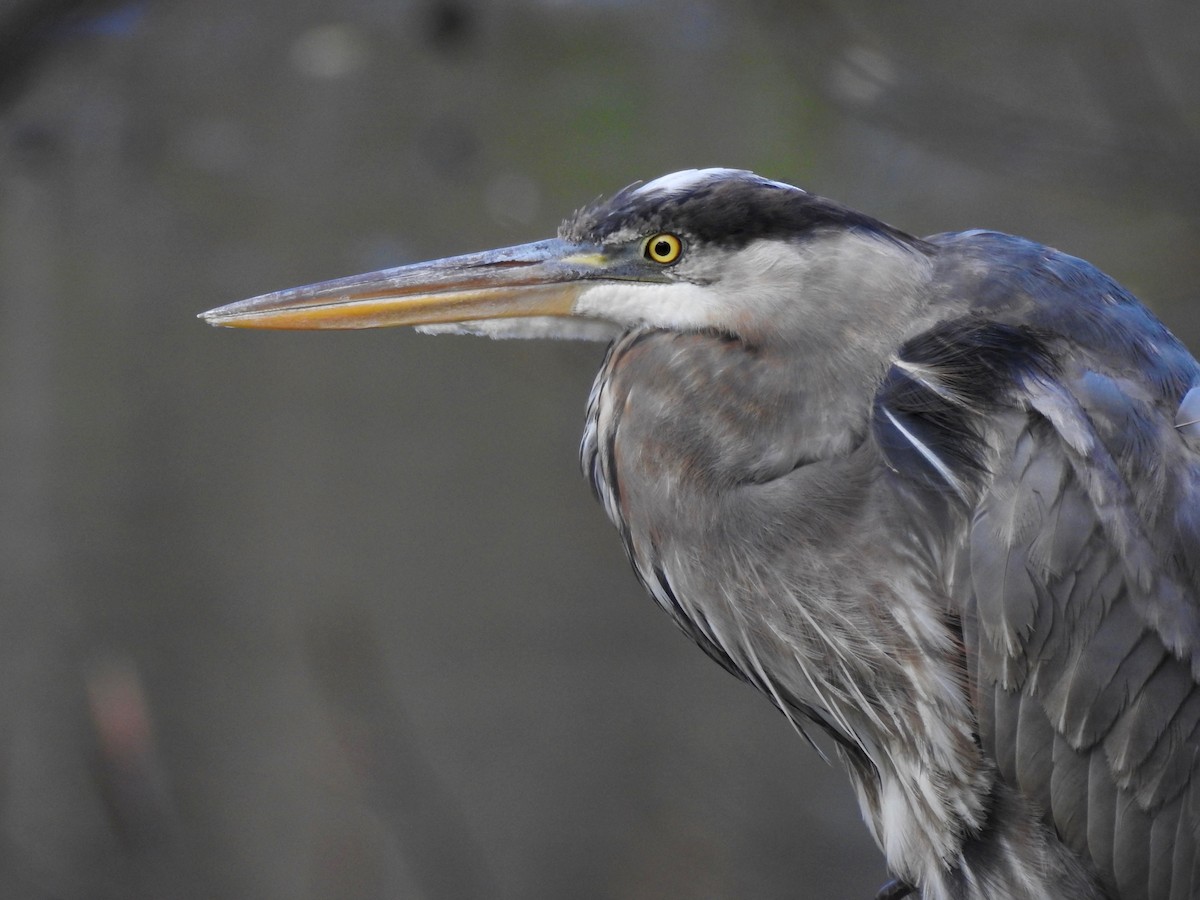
(334, 615)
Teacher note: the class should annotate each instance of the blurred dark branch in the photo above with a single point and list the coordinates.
(137, 854)
(131, 776)
(30, 32)
(129, 771)
(404, 789)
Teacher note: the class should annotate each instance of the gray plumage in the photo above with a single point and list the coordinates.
(937, 498)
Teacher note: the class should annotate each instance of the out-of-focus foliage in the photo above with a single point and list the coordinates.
(289, 615)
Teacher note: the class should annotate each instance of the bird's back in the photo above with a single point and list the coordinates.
(1078, 576)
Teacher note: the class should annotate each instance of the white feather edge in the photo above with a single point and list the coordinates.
(552, 327)
(688, 179)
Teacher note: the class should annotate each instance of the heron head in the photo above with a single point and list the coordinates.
(703, 249)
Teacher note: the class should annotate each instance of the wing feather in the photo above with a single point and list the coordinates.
(1102, 812)
(1007, 718)
(1093, 691)
(1068, 793)
(1080, 494)
(1131, 848)
(1183, 860)
(1151, 712)
(1034, 751)
(1162, 848)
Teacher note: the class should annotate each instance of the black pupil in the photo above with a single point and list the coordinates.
(662, 248)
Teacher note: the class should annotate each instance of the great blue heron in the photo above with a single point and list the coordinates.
(938, 497)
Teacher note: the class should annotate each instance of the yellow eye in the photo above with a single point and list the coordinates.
(663, 248)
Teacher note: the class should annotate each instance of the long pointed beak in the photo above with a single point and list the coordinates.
(539, 279)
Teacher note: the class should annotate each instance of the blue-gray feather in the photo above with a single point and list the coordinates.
(1084, 547)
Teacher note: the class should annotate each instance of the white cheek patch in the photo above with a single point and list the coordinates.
(755, 280)
(681, 306)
